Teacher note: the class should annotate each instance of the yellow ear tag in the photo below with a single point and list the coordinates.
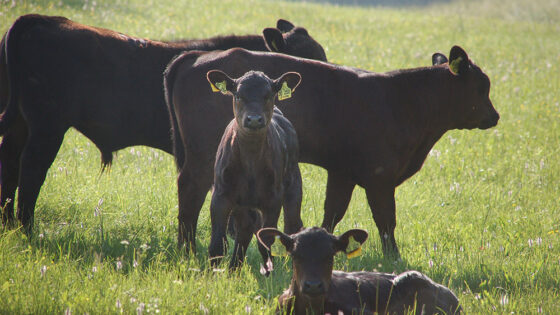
(214, 89)
(454, 65)
(277, 248)
(274, 46)
(285, 92)
(354, 248)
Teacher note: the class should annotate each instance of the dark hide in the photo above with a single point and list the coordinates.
(368, 129)
(56, 74)
(316, 288)
(256, 165)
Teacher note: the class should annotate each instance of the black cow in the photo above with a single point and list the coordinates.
(56, 74)
(369, 129)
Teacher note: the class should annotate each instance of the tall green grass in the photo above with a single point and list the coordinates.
(482, 216)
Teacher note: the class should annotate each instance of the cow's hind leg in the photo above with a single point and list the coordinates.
(220, 209)
(382, 203)
(10, 154)
(292, 203)
(192, 188)
(339, 193)
(37, 156)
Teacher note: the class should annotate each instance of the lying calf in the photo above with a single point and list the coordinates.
(256, 162)
(316, 288)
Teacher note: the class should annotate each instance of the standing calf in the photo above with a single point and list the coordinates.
(317, 289)
(256, 162)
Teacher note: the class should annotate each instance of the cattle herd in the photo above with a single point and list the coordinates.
(368, 129)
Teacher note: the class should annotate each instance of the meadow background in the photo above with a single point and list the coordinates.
(482, 216)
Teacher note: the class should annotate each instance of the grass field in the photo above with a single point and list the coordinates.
(482, 216)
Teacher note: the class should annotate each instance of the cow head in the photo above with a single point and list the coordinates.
(312, 251)
(253, 95)
(471, 92)
(291, 40)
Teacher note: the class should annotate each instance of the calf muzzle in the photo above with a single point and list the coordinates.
(490, 122)
(254, 122)
(313, 288)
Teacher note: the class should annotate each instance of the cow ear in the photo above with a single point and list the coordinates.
(458, 60)
(351, 242)
(284, 25)
(286, 84)
(220, 82)
(438, 59)
(278, 243)
(274, 40)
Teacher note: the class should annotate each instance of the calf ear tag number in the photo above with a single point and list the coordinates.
(277, 248)
(354, 248)
(285, 92)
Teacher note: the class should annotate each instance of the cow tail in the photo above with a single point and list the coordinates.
(169, 76)
(10, 62)
(168, 81)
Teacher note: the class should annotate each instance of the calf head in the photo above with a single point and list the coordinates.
(291, 40)
(312, 252)
(253, 95)
(475, 110)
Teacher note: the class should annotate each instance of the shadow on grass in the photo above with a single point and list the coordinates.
(88, 248)
(380, 3)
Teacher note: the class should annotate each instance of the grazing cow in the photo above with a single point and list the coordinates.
(317, 289)
(256, 162)
(370, 129)
(56, 74)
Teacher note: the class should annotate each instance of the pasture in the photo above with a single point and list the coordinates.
(482, 216)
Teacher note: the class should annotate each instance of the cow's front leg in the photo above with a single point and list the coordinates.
(339, 193)
(270, 219)
(244, 228)
(382, 203)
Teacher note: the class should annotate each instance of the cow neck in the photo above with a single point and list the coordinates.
(430, 102)
(250, 145)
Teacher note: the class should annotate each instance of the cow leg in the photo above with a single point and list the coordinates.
(339, 193)
(382, 203)
(271, 215)
(191, 189)
(292, 204)
(10, 154)
(37, 156)
(244, 228)
(220, 209)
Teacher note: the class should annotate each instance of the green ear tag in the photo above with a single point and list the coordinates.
(274, 46)
(454, 65)
(354, 248)
(277, 248)
(221, 86)
(285, 92)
